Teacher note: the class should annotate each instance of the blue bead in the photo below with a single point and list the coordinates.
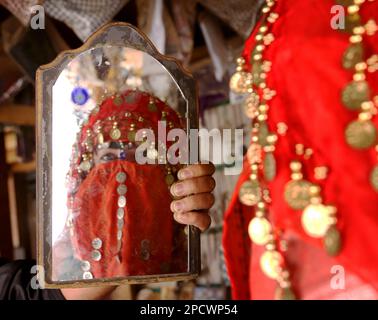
(79, 96)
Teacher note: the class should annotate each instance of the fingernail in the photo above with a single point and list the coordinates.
(178, 206)
(184, 174)
(178, 189)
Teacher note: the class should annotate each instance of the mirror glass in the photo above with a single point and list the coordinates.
(117, 140)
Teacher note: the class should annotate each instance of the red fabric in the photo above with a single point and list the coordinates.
(148, 239)
(152, 242)
(308, 78)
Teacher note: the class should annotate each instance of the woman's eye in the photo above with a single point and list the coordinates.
(108, 157)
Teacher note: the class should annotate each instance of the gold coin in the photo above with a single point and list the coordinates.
(316, 220)
(354, 94)
(115, 133)
(250, 193)
(240, 82)
(131, 136)
(374, 178)
(297, 194)
(169, 179)
(263, 134)
(117, 100)
(352, 21)
(269, 166)
(353, 55)
(259, 230)
(254, 153)
(361, 134)
(251, 104)
(121, 177)
(256, 72)
(100, 138)
(332, 241)
(85, 165)
(284, 294)
(270, 263)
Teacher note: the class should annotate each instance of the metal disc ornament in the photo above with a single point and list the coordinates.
(374, 178)
(259, 229)
(361, 134)
(297, 194)
(85, 165)
(257, 69)
(254, 153)
(316, 220)
(353, 55)
(240, 82)
(271, 262)
(352, 21)
(118, 100)
(332, 241)
(263, 134)
(284, 294)
(250, 193)
(251, 104)
(354, 94)
(270, 167)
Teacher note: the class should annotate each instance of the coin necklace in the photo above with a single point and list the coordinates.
(360, 134)
(260, 154)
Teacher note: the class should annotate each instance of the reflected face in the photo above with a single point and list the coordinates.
(111, 151)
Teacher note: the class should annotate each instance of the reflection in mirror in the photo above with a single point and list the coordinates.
(111, 215)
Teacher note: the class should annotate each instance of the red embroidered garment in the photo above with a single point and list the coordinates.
(120, 221)
(308, 78)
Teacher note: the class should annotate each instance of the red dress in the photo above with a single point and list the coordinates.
(308, 78)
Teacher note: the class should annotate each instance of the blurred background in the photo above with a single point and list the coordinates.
(205, 35)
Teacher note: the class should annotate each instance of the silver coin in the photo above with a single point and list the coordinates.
(96, 255)
(121, 177)
(120, 223)
(87, 275)
(85, 265)
(120, 213)
(96, 243)
(121, 189)
(121, 201)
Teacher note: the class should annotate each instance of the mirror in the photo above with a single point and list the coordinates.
(113, 118)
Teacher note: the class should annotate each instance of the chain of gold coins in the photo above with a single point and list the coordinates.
(318, 219)
(260, 154)
(360, 134)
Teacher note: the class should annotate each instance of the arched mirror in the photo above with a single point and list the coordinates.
(113, 118)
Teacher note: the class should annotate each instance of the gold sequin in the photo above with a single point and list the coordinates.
(297, 194)
(250, 193)
(271, 263)
(115, 133)
(354, 94)
(361, 134)
(259, 229)
(332, 241)
(374, 178)
(316, 220)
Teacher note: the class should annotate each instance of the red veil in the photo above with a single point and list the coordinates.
(308, 79)
(120, 222)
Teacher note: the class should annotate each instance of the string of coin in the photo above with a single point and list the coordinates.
(360, 134)
(318, 220)
(253, 192)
